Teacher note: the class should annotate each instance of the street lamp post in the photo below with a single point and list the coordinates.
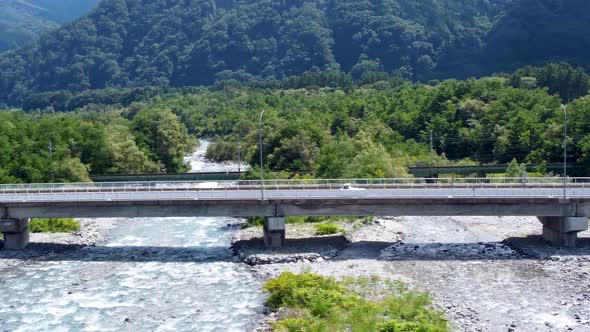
(239, 156)
(564, 150)
(431, 158)
(50, 147)
(260, 148)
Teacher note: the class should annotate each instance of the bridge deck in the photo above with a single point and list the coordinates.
(536, 197)
(562, 217)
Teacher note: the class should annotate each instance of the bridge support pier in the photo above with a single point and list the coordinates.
(274, 232)
(563, 231)
(16, 233)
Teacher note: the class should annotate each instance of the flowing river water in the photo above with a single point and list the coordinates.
(153, 274)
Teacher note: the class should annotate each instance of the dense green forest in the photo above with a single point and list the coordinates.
(133, 43)
(58, 147)
(22, 21)
(379, 129)
(323, 124)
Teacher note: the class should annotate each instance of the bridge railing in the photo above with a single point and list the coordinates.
(298, 184)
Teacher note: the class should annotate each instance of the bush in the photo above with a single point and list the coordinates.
(221, 151)
(54, 225)
(328, 229)
(259, 221)
(305, 290)
(318, 303)
(254, 222)
(294, 324)
(305, 220)
(397, 326)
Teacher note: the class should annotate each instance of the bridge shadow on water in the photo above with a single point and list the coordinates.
(515, 248)
(74, 252)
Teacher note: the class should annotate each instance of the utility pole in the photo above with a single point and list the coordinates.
(564, 150)
(260, 148)
(431, 155)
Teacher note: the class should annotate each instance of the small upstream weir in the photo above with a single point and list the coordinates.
(170, 274)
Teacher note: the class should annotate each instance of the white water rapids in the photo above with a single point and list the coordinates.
(154, 274)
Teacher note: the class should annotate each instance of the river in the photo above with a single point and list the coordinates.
(153, 274)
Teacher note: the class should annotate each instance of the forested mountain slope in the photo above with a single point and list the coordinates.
(533, 32)
(21, 21)
(128, 43)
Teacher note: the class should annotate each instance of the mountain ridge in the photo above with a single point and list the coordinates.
(131, 43)
(23, 21)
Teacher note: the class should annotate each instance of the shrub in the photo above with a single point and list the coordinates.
(254, 222)
(328, 229)
(54, 225)
(295, 220)
(317, 303)
(259, 221)
(293, 324)
(221, 151)
(313, 220)
(304, 220)
(396, 326)
(303, 291)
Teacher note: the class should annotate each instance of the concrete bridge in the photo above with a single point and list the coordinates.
(562, 216)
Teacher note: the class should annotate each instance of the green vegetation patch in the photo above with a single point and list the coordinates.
(259, 221)
(54, 225)
(316, 303)
(56, 147)
(328, 229)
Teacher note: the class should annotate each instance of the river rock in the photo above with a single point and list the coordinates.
(264, 259)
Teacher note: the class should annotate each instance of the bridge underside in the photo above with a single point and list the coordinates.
(550, 207)
(562, 218)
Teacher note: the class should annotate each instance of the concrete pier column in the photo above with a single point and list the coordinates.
(274, 232)
(16, 233)
(563, 231)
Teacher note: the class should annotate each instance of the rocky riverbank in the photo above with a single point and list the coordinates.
(486, 274)
(42, 245)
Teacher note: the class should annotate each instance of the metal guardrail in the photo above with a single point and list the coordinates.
(297, 184)
(245, 195)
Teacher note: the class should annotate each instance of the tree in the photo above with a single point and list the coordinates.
(563, 79)
(70, 170)
(160, 132)
(124, 155)
(514, 170)
(374, 163)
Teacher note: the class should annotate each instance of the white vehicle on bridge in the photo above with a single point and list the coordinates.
(348, 186)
